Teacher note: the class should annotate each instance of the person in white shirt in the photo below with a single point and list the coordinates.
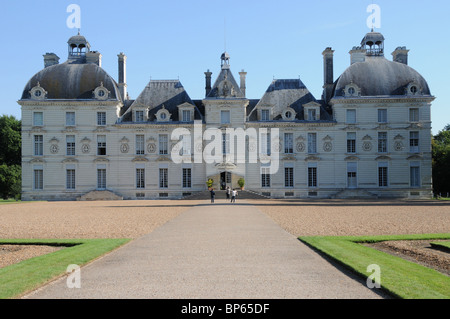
(233, 196)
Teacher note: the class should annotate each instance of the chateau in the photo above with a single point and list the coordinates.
(369, 135)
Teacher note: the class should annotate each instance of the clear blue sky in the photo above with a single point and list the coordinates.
(182, 39)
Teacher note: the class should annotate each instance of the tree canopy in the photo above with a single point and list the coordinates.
(441, 161)
(10, 157)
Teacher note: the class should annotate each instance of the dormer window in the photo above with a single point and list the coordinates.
(413, 88)
(352, 90)
(186, 113)
(265, 115)
(312, 111)
(163, 115)
(101, 93)
(289, 115)
(38, 93)
(139, 116)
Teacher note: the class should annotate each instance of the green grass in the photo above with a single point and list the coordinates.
(17, 279)
(399, 277)
(444, 245)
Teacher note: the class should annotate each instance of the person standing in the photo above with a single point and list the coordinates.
(228, 192)
(213, 195)
(233, 196)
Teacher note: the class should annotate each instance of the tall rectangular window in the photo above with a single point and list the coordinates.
(415, 175)
(38, 145)
(187, 145)
(288, 143)
(163, 144)
(352, 175)
(101, 178)
(101, 145)
(38, 119)
(140, 145)
(38, 183)
(265, 115)
(225, 117)
(383, 175)
(265, 144)
(187, 178)
(70, 118)
(312, 143)
(265, 177)
(140, 178)
(101, 118)
(351, 117)
(351, 143)
(382, 142)
(382, 116)
(139, 115)
(414, 115)
(289, 177)
(70, 178)
(312, 176)
(70, 145)
(163, 178)
(186, 116)
(312, 115)
(414, 142)
(226, 150)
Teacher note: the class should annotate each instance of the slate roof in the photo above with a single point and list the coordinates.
(287, 93)
(72, 81)
(162, 93)
(378, 76)
(225, 74)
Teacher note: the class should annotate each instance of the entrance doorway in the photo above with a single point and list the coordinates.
(225, 180)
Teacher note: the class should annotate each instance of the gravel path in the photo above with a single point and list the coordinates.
(133, 219)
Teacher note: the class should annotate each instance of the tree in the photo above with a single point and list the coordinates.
(441, 161)
(10, 157)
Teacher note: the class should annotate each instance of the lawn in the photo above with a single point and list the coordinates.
(399, 277)
(17, 279)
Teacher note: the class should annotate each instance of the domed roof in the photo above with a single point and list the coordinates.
(72, 81)
(378, 76)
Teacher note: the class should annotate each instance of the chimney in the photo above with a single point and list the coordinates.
(50, 59)
(208, 75)
(94, 57)
(357, 54)
(401, 55)
(243, 75)
(123, 76)
(328, 74)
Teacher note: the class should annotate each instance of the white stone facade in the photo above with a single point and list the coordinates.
(82, 133)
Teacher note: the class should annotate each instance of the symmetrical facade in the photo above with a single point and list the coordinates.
(368, 135)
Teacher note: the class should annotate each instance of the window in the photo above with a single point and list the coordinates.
(70, 118)
(163, 144)
(382, 175)
(265, 144)
(351, 116)
(140, 148)
(382, 116)
(288, 143)
(312, 143)
(187, 143)
(140, 178)
(101, 118)
(414, 115)
(101, 178)
(187, 178)
(225, 117)
(70, 145)
(382, 142)
(352, 175)
(101, 145)
(38, 119)
(312, 115)
(38, 145)
(70, 178)
(414, 142)
(186, 116)
(351, 143)
(289, 177)
(38, 178)
(415, 174)
(226, 144)
(163, 178)
(312, 176)
(265, 115)
(139, 116)
(265, 177)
